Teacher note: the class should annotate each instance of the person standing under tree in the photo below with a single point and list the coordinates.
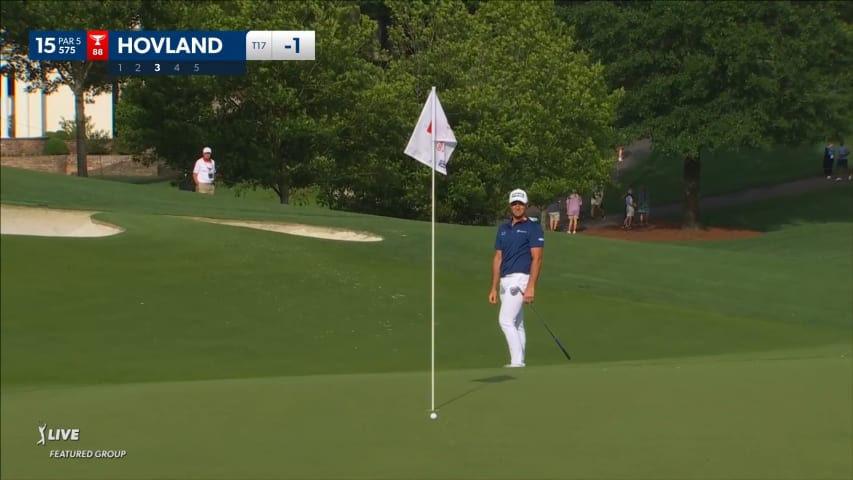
(573, 209)
(643, 207)
(629, 209)
(843, 153)
(828, 160)
(597, 202)
(204, 172)
(515, 270)
(554, 215)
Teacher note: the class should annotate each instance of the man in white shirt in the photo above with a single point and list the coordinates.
(204, 172)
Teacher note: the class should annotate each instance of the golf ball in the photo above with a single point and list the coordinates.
(433, 416)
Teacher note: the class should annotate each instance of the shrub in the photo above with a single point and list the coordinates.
(59, 134)
(98, 141)
(55, 146)
(305, 197)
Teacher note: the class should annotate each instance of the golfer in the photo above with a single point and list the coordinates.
(204, 172)
(515, 269)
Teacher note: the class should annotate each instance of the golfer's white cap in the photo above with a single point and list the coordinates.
(518, 195)
(207, 150)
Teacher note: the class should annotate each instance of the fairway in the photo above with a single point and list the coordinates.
(217, 351)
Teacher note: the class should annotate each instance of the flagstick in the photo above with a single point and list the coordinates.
(432, 272)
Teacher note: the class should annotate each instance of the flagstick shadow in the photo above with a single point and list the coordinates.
(484, 382)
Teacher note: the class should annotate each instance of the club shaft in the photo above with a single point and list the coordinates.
(550, 332)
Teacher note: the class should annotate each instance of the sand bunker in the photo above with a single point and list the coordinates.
(301, 230)
(45, 222)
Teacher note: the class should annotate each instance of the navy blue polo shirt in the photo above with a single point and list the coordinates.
(515, 242)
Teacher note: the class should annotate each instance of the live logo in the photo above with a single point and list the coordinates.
(97, 45)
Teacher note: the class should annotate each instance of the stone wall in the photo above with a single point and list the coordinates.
(27, 153)
(112, 165)
(49, 163)
(99, 165)
(22, 146)
(30, 146)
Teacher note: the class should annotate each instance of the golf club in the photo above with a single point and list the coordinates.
(513, 290)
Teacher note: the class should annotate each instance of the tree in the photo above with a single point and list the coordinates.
(704, 75)
(529, 109)
(342, 121)
(557, 110)
(298, 112)
(85, 79)
(274, 123)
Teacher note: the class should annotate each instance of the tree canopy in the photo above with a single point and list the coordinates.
(700, 76)
(529, 109)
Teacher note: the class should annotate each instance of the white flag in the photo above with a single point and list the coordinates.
(426, 137)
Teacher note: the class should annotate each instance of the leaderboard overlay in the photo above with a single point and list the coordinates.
(173, 52)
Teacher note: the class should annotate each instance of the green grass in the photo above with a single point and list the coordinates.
(697, 418)
(723, 172)
(214, 351)
(298, 196)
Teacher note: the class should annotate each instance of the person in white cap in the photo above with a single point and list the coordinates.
(515, 270)
(204, 172)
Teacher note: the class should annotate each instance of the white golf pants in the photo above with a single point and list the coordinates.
(511, 317)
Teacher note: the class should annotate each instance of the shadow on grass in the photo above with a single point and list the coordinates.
(829, 206)
(834, 205)
(483, 383)
(148, 180)
(723, 171)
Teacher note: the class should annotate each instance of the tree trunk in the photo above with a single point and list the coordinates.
(692, 170)
(80, 121)
(283, 183)
(115, 104)
(283, 192)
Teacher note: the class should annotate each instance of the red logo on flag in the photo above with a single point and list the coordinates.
(97, 45)
(429, 128)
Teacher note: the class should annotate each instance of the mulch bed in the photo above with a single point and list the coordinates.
(662, 231)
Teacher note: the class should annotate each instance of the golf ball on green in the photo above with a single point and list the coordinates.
(433, 416)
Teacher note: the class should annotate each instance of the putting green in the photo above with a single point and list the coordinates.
(772, 415)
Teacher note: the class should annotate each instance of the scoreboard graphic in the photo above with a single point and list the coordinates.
(173, 52)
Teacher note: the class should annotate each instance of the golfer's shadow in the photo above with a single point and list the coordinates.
(483, 383)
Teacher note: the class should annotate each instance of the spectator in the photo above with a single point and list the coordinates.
(843, 153)
(204, 172)
(554, 214)
(573, 209)
(828, 160)
(643, 207)
(597, 202)
(629, 209)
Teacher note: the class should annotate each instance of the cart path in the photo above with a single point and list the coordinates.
(742, 197)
